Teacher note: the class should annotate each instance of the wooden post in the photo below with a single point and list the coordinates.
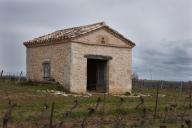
(20, 75)
(143, 83)
(98, 102)
(190, 100)
(104, 98)
(161, 84)
(1, 73)
(51, 116)
(156, 103)
(181, 86)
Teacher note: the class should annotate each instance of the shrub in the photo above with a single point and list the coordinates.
(127, 93)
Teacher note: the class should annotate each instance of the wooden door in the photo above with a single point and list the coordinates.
(46, 71)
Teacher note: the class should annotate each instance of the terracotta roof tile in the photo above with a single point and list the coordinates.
(70, 33)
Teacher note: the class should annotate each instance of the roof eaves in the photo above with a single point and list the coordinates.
(116, 33)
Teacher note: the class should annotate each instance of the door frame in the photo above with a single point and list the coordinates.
(46, 64)
(105, 58)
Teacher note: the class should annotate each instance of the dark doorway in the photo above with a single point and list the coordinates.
(96, 75)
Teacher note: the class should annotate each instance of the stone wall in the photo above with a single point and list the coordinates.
(95, 38)
(69, 66)
(59, 56)
(119, 67)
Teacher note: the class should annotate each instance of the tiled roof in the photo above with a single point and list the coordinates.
(70, 33)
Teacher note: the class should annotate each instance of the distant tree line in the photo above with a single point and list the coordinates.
(163, 84)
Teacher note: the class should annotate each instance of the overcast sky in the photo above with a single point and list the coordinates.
(161, 29)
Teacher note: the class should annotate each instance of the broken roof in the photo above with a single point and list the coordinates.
(71, 33)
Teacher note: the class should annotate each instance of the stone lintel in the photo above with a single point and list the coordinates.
(99, 57)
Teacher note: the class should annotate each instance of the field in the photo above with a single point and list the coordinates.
(44, 106)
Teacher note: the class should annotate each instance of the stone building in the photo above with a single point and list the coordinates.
(87, 58)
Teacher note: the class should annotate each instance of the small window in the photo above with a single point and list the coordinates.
(46, 70)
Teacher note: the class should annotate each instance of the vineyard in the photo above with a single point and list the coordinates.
(32, 105)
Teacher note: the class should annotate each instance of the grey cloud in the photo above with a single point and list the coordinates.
(151, 24)
(174, 60)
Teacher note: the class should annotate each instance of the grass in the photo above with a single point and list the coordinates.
(30, 106)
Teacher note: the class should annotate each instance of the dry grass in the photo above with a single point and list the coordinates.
(30, 110)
